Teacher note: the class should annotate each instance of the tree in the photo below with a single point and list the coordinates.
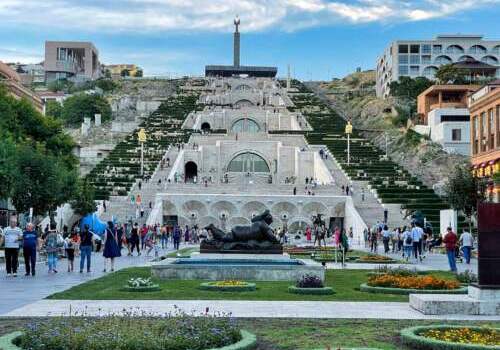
(449, 74)
(138, 73)
(60, 85)
(409, 88)
(80, 106)
(125, 73)
(84, 202)
(107, 85)
(464, 191)
(53, 109)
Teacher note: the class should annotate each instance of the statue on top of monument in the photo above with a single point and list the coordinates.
(237, 22)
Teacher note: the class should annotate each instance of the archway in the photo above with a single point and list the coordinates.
(245, 125)
(243, 103)
(248, 162)
(205, 127)
(190, 171)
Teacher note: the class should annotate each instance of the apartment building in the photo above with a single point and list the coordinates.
(72, 60)
(116, 69)
(484, 106)
(415, 58)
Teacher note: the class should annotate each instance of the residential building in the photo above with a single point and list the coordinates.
(11, 80)
(484, 106)
(444, 116)
(416, 58)
(72, 60)
(117, 69)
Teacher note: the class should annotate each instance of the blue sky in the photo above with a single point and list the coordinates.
(318, 38)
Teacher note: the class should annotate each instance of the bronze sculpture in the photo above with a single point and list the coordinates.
(256, 238)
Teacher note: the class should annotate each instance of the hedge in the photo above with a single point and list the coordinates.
(406, 291)
(153, 288)
(311, 291)
(410, 337)
(248, 342)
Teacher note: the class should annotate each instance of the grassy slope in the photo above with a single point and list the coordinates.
(344, 282)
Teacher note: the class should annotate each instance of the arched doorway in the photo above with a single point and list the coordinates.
(245, 125)
(190, 171)
(205, 127)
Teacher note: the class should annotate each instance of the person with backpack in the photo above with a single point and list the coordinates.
(416, 236)
(407, 243)
(86, 243)
(176, 237)
(53, 243)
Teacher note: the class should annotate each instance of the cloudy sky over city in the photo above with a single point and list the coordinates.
(318, 38)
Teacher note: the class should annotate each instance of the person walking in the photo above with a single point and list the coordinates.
(416, 236)
(69, 248)
(163, 237)
(53, 242)
(176, 237)
(144, 232)
(308, 234)
(407, 243)
(135, 240)
(86, 242)
(12, 236)
(467, 242)
(111, 248)
(386, 237)
(450, 241)
(30, 245)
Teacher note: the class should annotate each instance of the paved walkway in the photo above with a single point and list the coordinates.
(21, 291)
(237, 308)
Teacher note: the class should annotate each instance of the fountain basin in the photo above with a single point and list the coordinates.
(219, 267)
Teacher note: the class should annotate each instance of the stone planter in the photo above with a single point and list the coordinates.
(410, 336)
(247, 287)
(388, 261)
(152, 288)
(248, 342)
(311, 291)
(406, 291)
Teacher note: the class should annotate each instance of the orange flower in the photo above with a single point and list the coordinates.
(412, 282)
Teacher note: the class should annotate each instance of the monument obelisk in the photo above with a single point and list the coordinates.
(236, 43)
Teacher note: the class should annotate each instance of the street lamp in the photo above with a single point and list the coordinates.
(348, 131)
(141, 136)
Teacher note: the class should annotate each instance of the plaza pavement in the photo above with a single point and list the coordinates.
(24, 290)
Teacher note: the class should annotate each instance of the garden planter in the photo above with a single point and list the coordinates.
(153, 288)
(311, 291)
(413, 337)
(406, 291)
(248, 342)
(245, 287)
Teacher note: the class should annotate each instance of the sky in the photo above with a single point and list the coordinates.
(319, 39)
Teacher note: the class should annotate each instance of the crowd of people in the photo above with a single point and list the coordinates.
(35, 242)
(413, 242)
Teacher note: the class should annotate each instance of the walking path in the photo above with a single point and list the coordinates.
(237, 308)
(22, 291)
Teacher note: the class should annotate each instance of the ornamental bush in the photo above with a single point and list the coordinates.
(465, 335)
(412, 282)
(177, 331)
(309, 281)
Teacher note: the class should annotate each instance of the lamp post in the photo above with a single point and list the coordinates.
(348, 131)
(141, 136)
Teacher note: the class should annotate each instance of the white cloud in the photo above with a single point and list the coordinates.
(19, 55)
(215, 15)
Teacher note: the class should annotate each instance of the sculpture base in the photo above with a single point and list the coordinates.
(250, 247)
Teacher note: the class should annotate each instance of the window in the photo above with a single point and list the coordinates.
(490, 60)
(248, 163)
(245, 125)
(491, 135)
(478, 49)
(437, 49)
(455, 118)
(426, 48)
(456, 134)
(414, 59)
(496, 49)
(61, 54)
(414, 70)
(414, 48)
(454, 49)
(483, 132)
(443, 60)
(426, 59)
(498, 126)
(403, 59)
(475, 133)
(403, 49)
(429, 72)
(403, 70)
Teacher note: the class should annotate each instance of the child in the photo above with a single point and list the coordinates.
(149, 242)
(69, 247)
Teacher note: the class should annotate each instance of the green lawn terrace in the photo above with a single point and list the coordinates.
(116, 174)
(392, 183)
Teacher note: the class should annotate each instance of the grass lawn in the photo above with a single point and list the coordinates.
(344, 282)
(308, 334)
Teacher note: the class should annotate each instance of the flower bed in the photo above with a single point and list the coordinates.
(178, 332)
(398, 284)
(229, 286)
(310, 284)
(444, 337)
(375, 259)
(141, 285)
(311, 291)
